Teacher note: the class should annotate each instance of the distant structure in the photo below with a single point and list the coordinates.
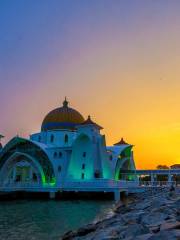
(67, 150)
(175, 166)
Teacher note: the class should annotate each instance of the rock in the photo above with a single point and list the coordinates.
(87, 229)
(144, 236)
(68, 236)
(134, 230)
(169, 225)
(153, 219)
(169, 235)
(154, 229)
(133, 217)
(142, 206)
(80, 232)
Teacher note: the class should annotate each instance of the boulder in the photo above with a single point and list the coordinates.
(153, 218)
(133, 216)
(133, 230)
(170, 225)
(169, 235)
(144, 236)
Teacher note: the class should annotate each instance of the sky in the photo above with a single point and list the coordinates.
(117, 60)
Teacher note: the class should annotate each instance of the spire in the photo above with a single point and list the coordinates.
(121, 142)
(65, 102)
(90, 122)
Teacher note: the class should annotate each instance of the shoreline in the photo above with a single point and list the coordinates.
(152, 215)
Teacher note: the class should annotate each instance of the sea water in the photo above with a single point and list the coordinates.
(46, 220)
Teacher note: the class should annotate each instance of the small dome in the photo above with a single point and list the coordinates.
(62, 118)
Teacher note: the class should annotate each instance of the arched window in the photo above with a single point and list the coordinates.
(66, 138)
(82, 175)
(60, 154)
(39, 138)
(59, 168)
(83, 166)
(84, 154)
(52, 138)
(55, 154)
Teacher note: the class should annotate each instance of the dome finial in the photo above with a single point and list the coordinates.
(65, 103)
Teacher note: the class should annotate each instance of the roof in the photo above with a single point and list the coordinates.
(89, 121)
(121, 142)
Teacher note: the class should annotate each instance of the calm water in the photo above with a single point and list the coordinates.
(25, 220)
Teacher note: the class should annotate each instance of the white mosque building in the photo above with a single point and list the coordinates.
(69, 153)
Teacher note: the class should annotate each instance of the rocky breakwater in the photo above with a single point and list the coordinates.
(152, 215)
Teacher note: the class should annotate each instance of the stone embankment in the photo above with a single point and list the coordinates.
(152, 215)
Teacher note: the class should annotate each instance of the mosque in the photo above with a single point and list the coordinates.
(69, 152)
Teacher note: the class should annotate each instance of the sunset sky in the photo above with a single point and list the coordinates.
(117, 60)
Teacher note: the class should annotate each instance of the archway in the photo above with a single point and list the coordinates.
(20, 169)
(30, 150)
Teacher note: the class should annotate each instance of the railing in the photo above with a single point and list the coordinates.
(158, 183)
(100, 184)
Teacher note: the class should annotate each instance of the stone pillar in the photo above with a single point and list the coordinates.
(169, 178)
(117, 195)
(52, 195)
(152, 179)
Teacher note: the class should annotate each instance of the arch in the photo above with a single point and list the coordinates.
(82, 144)
(18, 157)
(34, 151)
(124, 164)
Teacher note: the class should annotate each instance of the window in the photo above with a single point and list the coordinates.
(83, 166)
(39, 138)
(66, 138)
(110, 157)
(60, 154)
(97, 174)
(84, 154)
(82, 175)
(55, 155)
(59, 168)
(52, 138)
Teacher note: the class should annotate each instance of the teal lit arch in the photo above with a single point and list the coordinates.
(30, 148)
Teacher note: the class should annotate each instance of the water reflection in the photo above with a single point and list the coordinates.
(33, 220)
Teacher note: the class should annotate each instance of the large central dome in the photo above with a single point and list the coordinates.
(62, 118)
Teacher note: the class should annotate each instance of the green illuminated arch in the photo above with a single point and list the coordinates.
(123, 164)
(25, 146)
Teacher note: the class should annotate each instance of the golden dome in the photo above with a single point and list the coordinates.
(62, 118)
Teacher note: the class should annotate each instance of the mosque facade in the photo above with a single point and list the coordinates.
(67, 150)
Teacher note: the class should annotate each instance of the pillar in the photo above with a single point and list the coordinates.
(52, 195)
(169, 178)
(152, 179)
(117, 195)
